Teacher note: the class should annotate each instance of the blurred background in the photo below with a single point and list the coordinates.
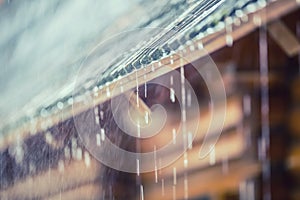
(62, 61)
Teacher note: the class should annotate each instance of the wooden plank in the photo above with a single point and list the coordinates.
(284, 38)
(230, 146)
(208, 181)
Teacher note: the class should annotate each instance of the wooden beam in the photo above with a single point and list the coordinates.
(284, 38)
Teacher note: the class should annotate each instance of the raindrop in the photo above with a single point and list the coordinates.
(87, 159)
(185, 160)
(174, 135)
(102, 132)
(107, 92)
(162, 187)
(98, 139)
(172, 95)
(155, 165)
(174, 176)
(67, 153)
(212, 156)
(61, 166)
(146, 117)
(186, 188)
(138, 167)
(142, 192)
(79, 154)
(174, 192)
(60, 105)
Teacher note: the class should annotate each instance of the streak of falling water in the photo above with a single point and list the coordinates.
(183, 107)
(142, 192)
(186, 187)
(265, 129)
(98, 139)
(189, 98)
(145, 85)
(298, 34)
(172, 91)
(97, 118)
(107, 92)
(138, 167)
(155, 165)
(137, 89)
(102, 133)
(147, 117)
(101, 115)
(87, 159)
(174, 176)
(172, 95)
(174, 192)
(184, 129)
(162, 187)
(212, 156)
(152, 68)
(138, 126)
(174, 135)
(185, 160)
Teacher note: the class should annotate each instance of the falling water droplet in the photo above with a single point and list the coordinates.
(138, 126)
(192, 48)
(61, 166)
(60, 105)
(142, 192)
(79, 154)
(186, 187)
(98, 139)
(174, 176)
(174, 192)
(97, 120)
(145, 86)
(67, 153)
(147, 117)
(137, 89)
(174, 135)
(101, 115)
(190, 140)
(257, 20)
(138, 167)
(107, 92)
(200, 45)
(155, 165)
(185, 160)
(96, 110)
(189, 98)
(87, 159)
(229, 40)
(172, 95)
(102, 132)
(212, 156)
(152, 68)
(162, 187)
(74, 146)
